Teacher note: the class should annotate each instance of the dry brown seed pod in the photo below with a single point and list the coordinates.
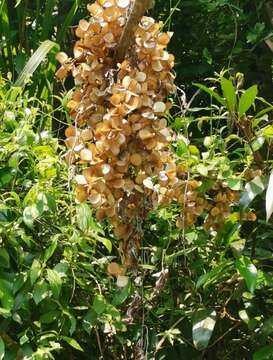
(136, 159)
(61, 57)
(81, 193)
(115, 270)
(123, 4)
(95, 198)
(120, 231)
(159, 107)
(70, 131)
(86, 155)
(145, 134)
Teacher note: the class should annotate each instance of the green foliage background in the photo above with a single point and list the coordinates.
(56, 299)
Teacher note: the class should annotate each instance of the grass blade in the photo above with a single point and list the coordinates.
(67, 22)
(35, 60)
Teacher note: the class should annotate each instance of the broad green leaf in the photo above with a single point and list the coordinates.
(265, 353)
(99, 304)
(4, 258)
(252, 189)
(121, 295)
(36, 59)
(235, 184)
(89, 320)
(49, 317)
(35, 271)
(202, 169)
(247, 99)
(73, 343)
(248, 271)
(203, 323)
(40, 291)
(229, 94)
(55, 282)
(7, 174)
(51, 249)
(30, 214)
(211, 92)
(269, 198)
(6, 295)
(86, 221)
(106, 242)
(267, 328)
(2, 349)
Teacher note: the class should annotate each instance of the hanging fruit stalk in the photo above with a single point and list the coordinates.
(120, 140)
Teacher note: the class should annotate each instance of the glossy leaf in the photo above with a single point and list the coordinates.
(2, 349)
(248, 271)
(55, 282)
(247, 99)
(203, 322)
(73, 343)
(265, 353)
(229, 93)
(36, 59)
(253, 189)
(269, 198)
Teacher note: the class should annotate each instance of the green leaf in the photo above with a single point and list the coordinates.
(269, 198)
(2, 349)
(4, 258)
(6, 295)
(35, 271)
(40, 291)
(248, 271)
(121, 295)
(89, 320)
(203, 322)
(7, 174)
(86, 221)
(202, 169)
(30, 214)
(36, 59)
(247, 99)
(211, 92)
(49, 317)
(55, 282)
(235, 184)
(229, 94)
(73, 343)
(106, 242)
(253, 189)
(51, 249)
(213, 275)
(264, 353)
(99, 304)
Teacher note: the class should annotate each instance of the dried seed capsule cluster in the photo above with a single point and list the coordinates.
(120, 136)
(220, 207)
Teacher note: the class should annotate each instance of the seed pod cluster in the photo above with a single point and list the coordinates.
(120, 139)
(220, 207)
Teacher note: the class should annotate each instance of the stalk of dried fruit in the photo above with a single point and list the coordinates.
(120, 139)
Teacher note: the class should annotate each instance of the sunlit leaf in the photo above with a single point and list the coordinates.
(229, 93)
(247, 99)
(73, 343)
(253, 189)
(248, 271)
(36, 59)
(55, 282)
(2, 349)
(269, 198)
(203, 322)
